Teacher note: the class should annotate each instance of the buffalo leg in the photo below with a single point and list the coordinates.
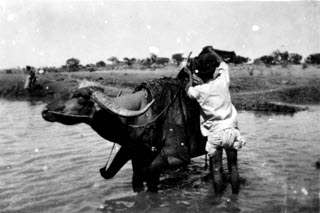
(137, 177)
(233, 169)
(216, 162)
(153, 179)
(159, 164)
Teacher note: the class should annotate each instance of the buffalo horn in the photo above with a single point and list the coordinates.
(108, 104)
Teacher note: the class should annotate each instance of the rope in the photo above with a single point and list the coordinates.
(74, 116)
(110, 155)
(106, 166)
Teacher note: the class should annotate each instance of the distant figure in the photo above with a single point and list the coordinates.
(250, 70)
(31, 79)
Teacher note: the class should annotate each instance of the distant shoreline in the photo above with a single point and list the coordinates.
(275, 89)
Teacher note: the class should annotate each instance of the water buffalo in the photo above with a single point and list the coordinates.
(157, 126)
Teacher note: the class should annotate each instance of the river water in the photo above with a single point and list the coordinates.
(49, 167)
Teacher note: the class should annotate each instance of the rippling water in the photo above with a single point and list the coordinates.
(49, 167)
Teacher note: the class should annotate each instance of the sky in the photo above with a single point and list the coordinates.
(47, 33)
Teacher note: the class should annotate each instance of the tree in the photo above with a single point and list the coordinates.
(283, 58)
(100, 64)
(153, 58)
(241, 60)
(91, 67)
(313, 59)
(162, 60)
(267, 59)
(177, 58)
(114, 60)
(146, 62)
(73, 64)
(280, 57)
(295, 58)
(129, 61)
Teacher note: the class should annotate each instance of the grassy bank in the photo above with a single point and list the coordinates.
(47, 87)
(252, 87)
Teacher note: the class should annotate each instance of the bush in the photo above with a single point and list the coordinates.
(73, 64)
(241, 60)
(295, 58)
(101, 64)
(281, 58)
(313, 59)
(129, 61)
(177, 58)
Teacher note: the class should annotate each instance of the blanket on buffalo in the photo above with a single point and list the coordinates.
(176, 131)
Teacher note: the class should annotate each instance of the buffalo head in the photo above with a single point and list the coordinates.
(72, 108)
(80, 106)
(109, 117)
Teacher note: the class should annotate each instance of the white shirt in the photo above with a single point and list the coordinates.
(217, 111)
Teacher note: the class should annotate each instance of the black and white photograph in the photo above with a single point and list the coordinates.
(159, 106)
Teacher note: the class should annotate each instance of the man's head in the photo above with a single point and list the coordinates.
(205, 64)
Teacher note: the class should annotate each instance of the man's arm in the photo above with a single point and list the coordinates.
(191, 91)
(223, 67)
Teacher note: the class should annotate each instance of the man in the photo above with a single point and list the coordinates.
(218, 117)
(32, 77)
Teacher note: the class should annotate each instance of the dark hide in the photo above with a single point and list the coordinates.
(166, 136)
(175, 137)
(179, 125)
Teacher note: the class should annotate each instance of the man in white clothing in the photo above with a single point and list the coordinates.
(218, 118)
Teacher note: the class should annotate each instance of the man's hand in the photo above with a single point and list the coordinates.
(197, 80)
(187, 71)
(184, 73)
(194, 78)
(189, 84)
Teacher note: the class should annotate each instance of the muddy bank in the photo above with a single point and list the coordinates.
(284, 100)
(278, 95)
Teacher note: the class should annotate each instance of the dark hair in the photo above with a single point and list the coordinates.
(205, 64)
(206, 49)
